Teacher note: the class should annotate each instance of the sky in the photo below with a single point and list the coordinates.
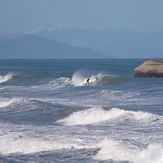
(133, 15)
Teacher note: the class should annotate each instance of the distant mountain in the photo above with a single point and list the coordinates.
(115, 43)
(4, 36)
(33, 47)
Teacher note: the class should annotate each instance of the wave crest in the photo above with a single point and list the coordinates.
(79, 78)
(125, 151)
(4, 78)
(98, 114)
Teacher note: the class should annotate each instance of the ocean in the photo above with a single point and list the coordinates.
(49, 113)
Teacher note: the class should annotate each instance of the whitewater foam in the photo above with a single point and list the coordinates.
(5, 102)
(4, 78)
(16, 142)
(79, 78)
(98, 114)
(119, 150)
(61, 81)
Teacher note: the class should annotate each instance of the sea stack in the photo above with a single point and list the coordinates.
(151, 69)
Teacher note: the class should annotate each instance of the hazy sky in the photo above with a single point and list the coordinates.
(135, 15)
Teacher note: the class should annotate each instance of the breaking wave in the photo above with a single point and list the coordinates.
(40, 79)
(17, 142)
(79, 78)
(4, 78)
(5, 102)
(119, 150)
(98, 114)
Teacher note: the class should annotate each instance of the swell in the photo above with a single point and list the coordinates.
(77, 79)
(107, 80)
(25, 80)
(35, 111)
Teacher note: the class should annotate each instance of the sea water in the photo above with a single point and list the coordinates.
(49, 113)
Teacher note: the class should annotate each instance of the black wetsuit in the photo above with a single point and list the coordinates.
(88, 81)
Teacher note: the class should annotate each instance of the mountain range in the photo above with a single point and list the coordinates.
(34, 47)
(62, 42)
(119, 44)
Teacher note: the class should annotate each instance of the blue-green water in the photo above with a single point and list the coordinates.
(48, 113)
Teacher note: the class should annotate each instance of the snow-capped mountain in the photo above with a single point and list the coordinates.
(46, 28)
(115, 43)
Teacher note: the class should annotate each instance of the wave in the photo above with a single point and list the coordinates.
(106, 149)
(98, 114)
(79, 78)
(5, 78)
(62, 81)
(16, 142)
(35, 80)
(119, 150)
(31, 79)
(5, 102)
(15, 78)
(43, 111)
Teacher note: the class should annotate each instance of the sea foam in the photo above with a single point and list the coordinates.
(98, 114)
(17, 142)
(119, 150)
(5, 102)
(4, 78)
(79, 78)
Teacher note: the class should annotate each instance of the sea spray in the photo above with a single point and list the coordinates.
(79, 78)
(4, 78)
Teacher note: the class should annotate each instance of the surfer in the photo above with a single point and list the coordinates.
(88, 81)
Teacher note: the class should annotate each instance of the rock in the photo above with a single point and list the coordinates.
(151, 68)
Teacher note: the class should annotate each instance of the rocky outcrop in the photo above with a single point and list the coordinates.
(151, 68)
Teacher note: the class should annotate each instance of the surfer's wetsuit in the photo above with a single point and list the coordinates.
(88, 81)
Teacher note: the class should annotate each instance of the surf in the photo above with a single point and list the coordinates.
(5, 78)
(18, 142)
(5, 102)
(80, 78)
(99, 114)
(34, 80)
(119, 150)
